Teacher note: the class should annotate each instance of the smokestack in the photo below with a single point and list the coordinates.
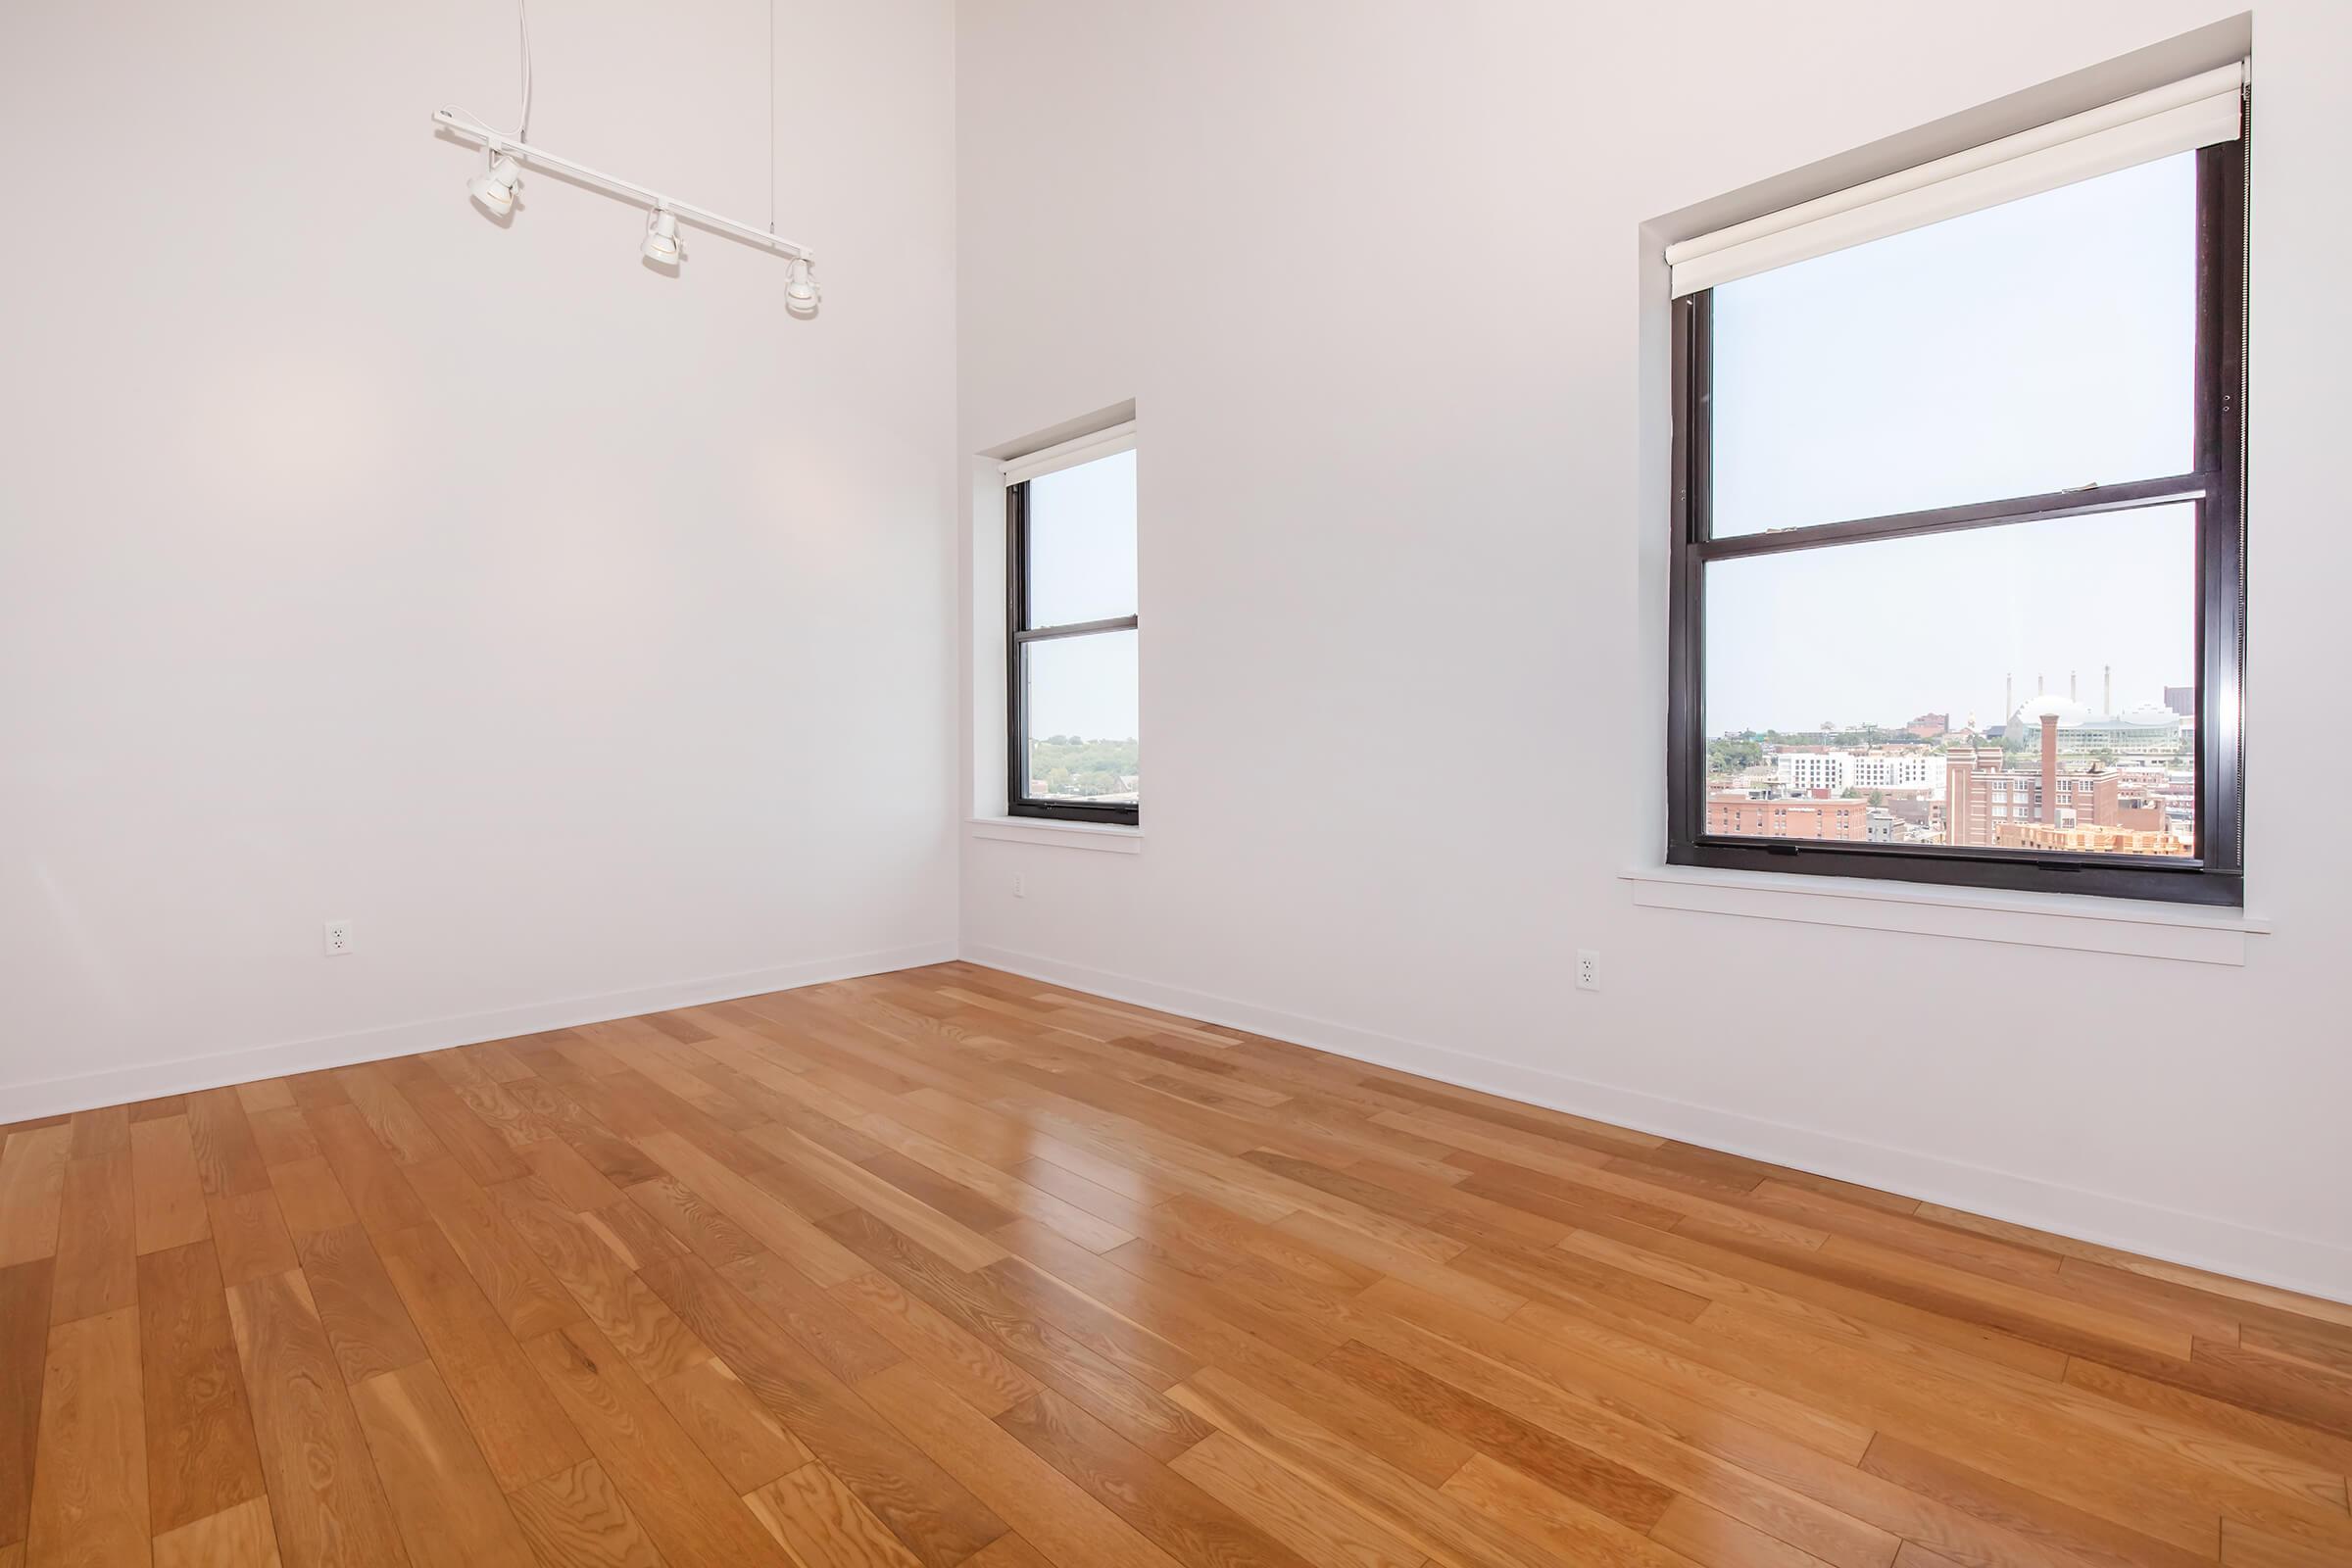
(2107, 689)
(2008, 698)
(2041, 686)
(2049, 769)
(2072, 695)
(1955, 792)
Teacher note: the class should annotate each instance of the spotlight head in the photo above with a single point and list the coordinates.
(493, 190)
(662, 238)
(801, 293)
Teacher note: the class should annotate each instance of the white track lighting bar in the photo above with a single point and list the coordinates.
(522, 153)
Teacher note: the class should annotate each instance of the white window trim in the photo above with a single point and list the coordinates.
(1114, 837)
(2133, 927)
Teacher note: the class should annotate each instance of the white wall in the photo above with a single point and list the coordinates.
(1374, 273)
(581, 634)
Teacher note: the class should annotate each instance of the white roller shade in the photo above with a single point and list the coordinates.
(1069, 454)
(2195, 113)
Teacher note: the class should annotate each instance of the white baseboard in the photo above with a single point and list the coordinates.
(2306, 1264)
(112, 1085)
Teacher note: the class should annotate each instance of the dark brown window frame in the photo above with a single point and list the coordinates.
(1018, 635)
(2215, 875)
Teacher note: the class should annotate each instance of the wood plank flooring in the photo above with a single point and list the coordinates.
(951, 1267)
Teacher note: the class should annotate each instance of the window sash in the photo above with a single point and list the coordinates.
(1020, 634)
(2216, 485)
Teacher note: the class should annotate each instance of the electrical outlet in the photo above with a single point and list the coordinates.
(338, 938)
(1020, 886)
(1587, 969)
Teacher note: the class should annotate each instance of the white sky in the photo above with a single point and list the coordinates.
(2038, 345)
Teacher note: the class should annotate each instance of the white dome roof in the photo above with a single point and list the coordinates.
(2050, 705)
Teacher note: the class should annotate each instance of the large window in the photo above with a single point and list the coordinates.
(1958, 550)
(1072, 634)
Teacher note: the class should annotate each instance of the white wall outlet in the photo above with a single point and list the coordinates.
(338, 938)
(1020, 886)
(1587, 969)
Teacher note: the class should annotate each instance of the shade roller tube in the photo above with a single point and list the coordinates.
(1069, 454)
(2195, 113)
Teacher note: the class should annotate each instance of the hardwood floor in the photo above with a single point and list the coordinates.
(952, 1267)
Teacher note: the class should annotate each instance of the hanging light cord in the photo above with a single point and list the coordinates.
(522, 24)
(523, 131)
(772, 116)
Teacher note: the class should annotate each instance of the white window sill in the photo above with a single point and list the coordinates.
(2188, 933)
(1108, 836)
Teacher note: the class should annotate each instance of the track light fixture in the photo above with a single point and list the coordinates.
(494, 187)
(801, 293)
(662, 238)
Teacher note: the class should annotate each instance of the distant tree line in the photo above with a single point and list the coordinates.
(1066, 764)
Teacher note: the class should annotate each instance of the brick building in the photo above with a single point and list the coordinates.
(1738, 817)
(1986, 804)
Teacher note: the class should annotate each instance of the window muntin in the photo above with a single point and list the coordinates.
(1073, 656)
(1889, 520)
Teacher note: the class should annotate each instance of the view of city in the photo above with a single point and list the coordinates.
(2055, 775)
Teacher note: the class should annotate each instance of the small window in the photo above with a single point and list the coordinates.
(1073, 635)
(1982, 424)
